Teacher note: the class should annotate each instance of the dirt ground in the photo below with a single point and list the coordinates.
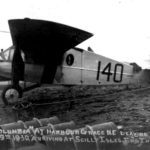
(86, 105)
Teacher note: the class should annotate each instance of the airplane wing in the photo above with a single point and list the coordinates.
(45, 42)
(44, 38)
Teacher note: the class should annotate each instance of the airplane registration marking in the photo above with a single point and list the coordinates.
(107, 71)
(121, 74)
(98, 70)
(95, 70)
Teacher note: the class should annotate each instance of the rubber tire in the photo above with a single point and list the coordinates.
(18, 88)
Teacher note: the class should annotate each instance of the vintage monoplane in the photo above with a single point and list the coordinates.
(45, 52)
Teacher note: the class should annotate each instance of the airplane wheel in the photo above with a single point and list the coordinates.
(11, 94)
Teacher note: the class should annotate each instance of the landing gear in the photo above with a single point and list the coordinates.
(11, 94)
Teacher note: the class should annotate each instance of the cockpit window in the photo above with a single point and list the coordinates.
(5, 55)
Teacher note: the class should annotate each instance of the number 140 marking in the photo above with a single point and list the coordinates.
(107, 71)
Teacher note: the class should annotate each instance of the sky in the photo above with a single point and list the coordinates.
(121, 28)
